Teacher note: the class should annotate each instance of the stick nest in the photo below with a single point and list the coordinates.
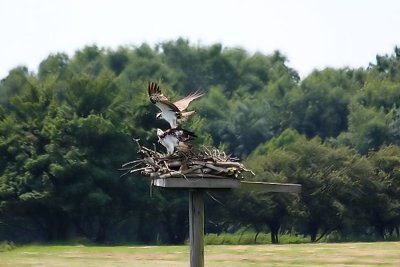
(195, 163)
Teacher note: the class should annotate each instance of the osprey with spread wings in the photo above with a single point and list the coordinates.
(172, 112)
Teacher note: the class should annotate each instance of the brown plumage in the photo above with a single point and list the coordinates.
(171, 112)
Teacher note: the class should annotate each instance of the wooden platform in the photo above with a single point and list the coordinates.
(206, 182)
(225, 183)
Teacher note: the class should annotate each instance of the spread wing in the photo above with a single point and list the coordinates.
(184, 102)
(166, 106)
(155, 94)
(157, 98)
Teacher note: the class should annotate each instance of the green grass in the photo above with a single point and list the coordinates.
(326, 254)
(247, 238)
(6, 246)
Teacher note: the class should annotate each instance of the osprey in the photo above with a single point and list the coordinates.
(171, 112)
(175, 138)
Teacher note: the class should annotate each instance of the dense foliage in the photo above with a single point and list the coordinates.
(66, 129)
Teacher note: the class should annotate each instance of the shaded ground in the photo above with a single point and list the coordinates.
(346, 254)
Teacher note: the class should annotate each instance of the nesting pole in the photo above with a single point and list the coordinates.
(196, 227)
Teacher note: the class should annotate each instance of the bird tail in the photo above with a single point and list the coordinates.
(185, 116)
(188, 114)
(188, 135)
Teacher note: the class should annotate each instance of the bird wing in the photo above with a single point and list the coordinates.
(157, 98)
(184, 102)
(166, 106)
(155, 94)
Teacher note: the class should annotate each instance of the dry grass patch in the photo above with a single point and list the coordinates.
(345, 254)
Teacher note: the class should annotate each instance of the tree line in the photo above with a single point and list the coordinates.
(67, 128)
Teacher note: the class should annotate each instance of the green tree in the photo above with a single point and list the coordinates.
(368, 128)
(386, 164)
(320, 105)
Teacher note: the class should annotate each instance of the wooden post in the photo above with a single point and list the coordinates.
(196, 227)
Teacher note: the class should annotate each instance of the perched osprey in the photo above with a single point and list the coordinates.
(175, 138)
(171, 112)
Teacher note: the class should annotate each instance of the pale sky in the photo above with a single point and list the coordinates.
(312, 34)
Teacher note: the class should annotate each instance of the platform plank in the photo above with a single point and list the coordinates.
(225, 183)
(269, 187)
(206, 183)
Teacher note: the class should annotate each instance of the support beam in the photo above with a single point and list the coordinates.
(196, 227)
(246, 186)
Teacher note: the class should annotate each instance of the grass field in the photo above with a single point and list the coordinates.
(344, 254)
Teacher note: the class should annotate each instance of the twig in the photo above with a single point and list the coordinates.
(136, 170)
(131, 162)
